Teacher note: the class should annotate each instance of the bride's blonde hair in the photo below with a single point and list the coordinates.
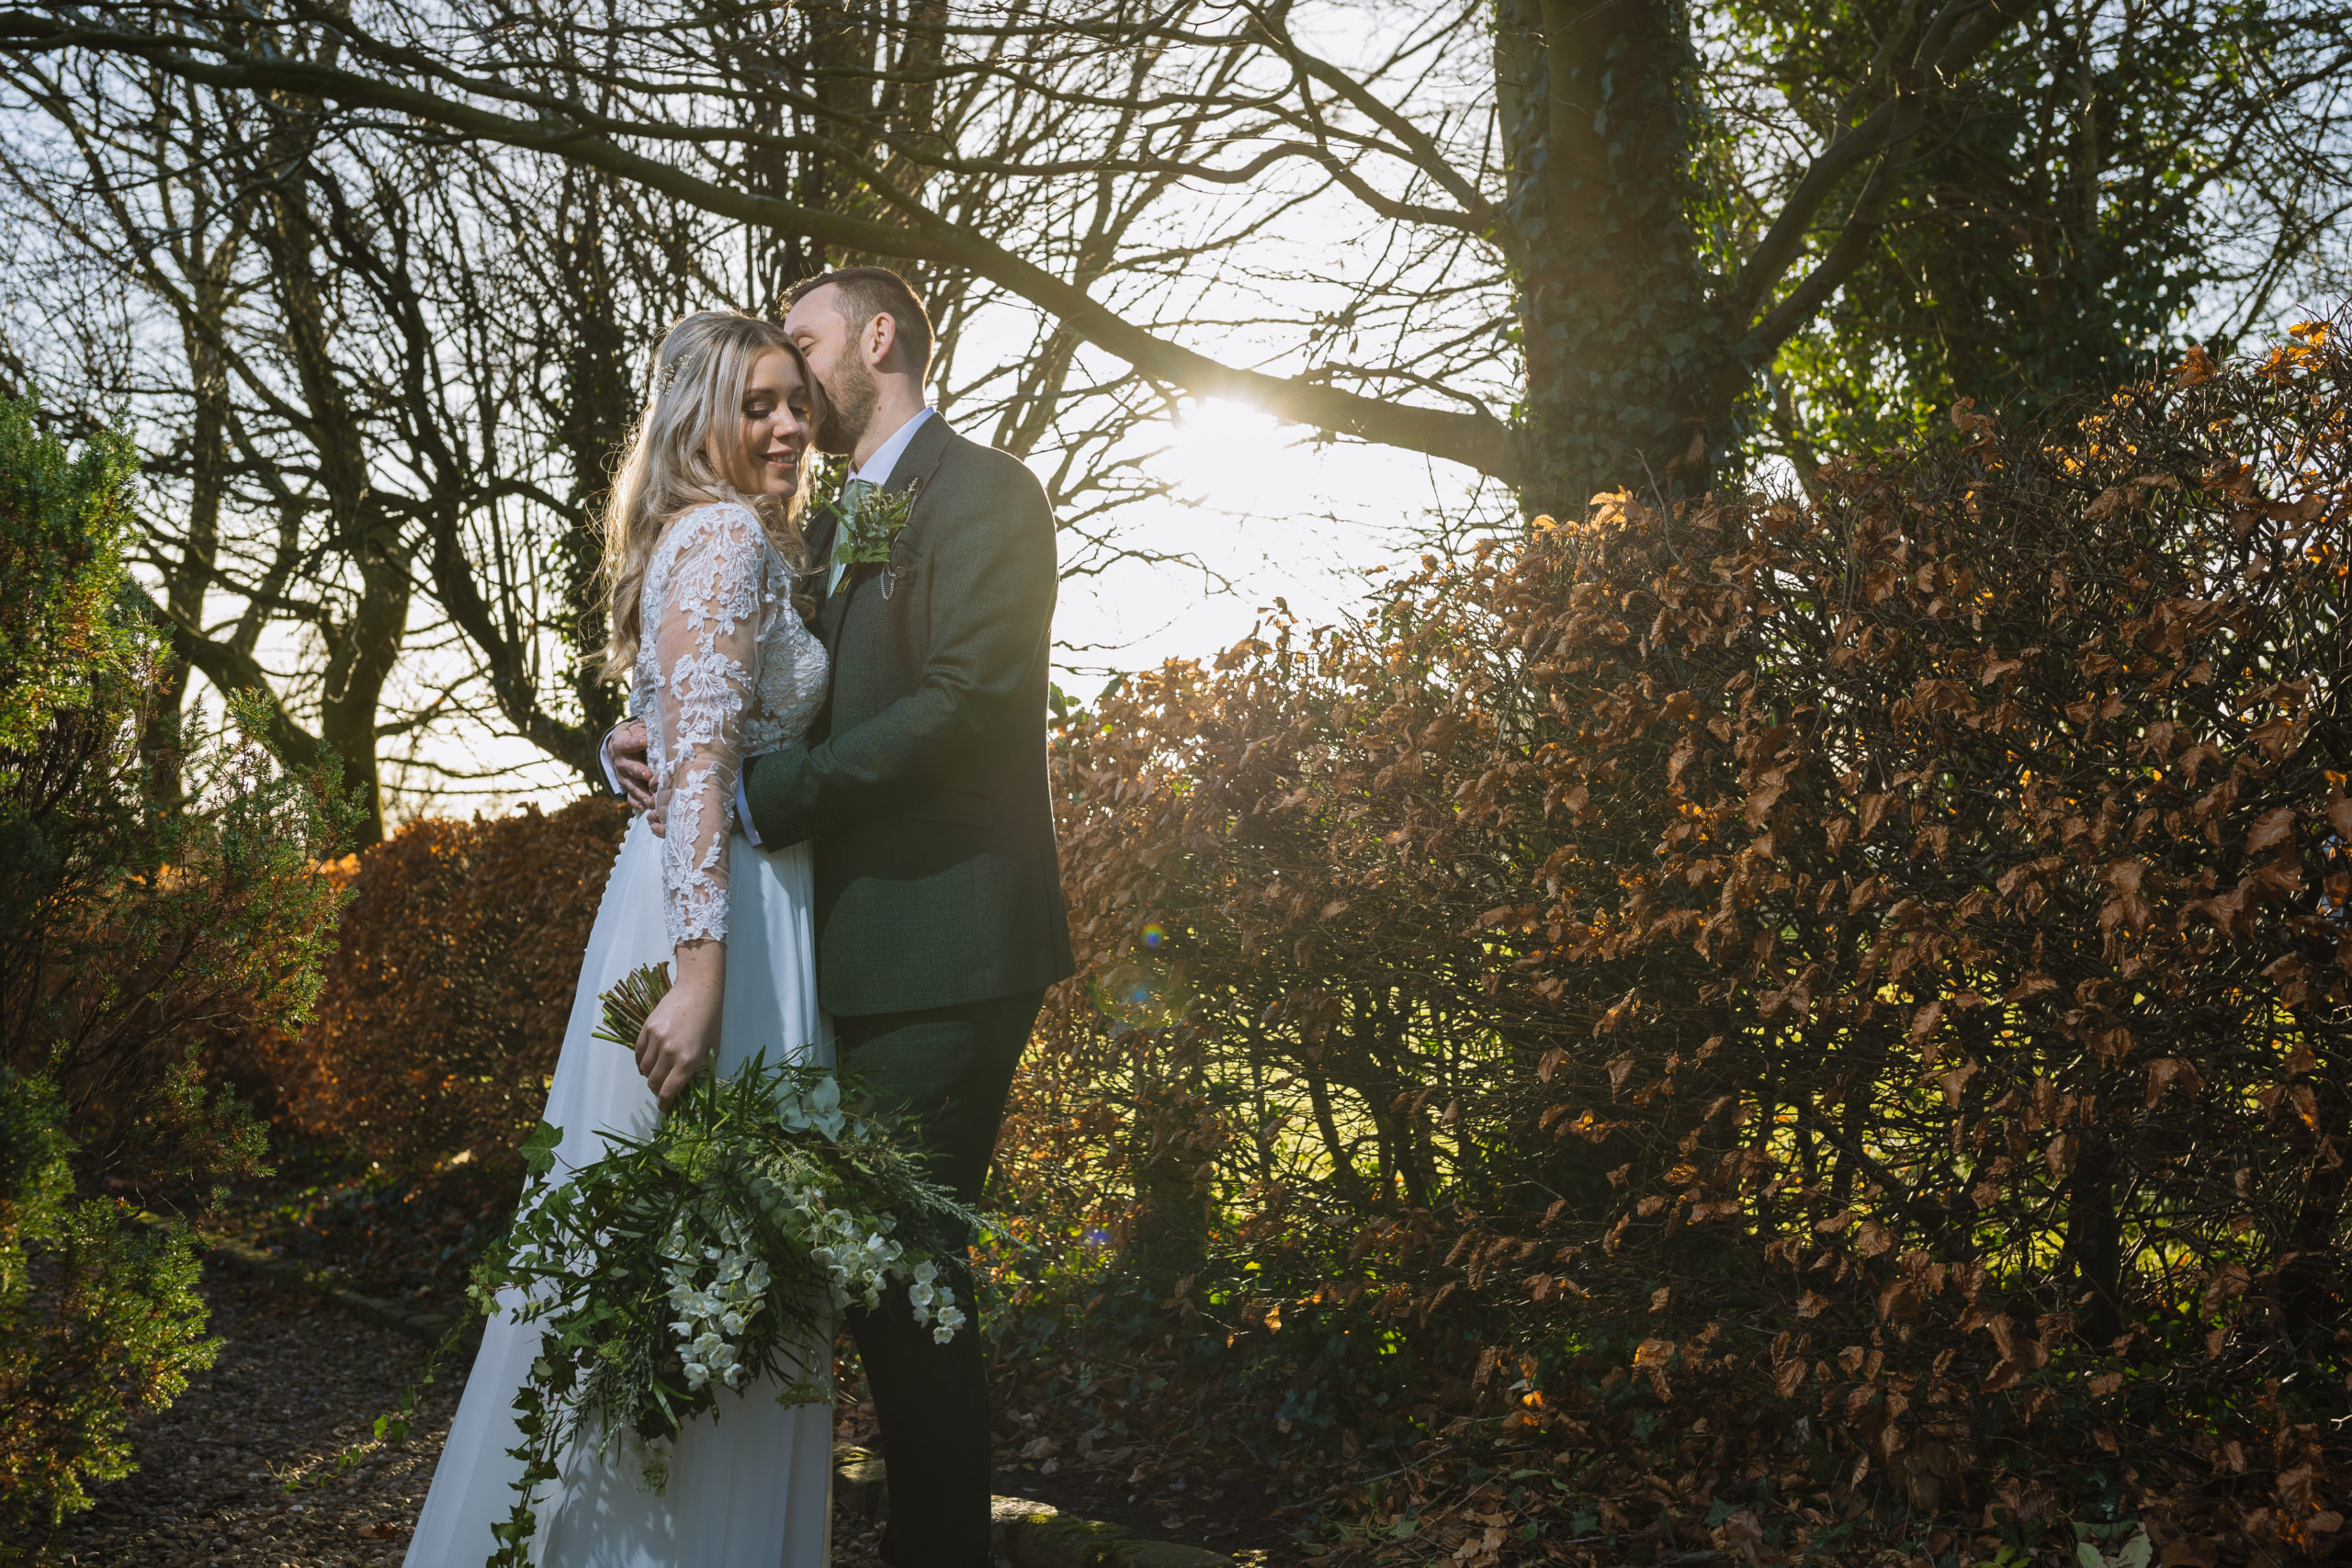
(699, 374)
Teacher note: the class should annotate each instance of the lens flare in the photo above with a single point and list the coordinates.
(1141, 994)
(1154, 934)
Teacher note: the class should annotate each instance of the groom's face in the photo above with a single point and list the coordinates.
(828, 339)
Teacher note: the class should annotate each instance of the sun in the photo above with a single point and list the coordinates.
(1234, 458)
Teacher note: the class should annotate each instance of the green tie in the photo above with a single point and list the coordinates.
(853, 502)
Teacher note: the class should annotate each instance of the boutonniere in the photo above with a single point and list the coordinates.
(870, 527)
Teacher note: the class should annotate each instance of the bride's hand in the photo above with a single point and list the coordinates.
(681, 1035)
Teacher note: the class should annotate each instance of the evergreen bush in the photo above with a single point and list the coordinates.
(133, 937)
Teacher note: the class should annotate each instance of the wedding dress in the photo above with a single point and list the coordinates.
(726, 670)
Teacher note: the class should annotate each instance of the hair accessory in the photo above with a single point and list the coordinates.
(683, 364)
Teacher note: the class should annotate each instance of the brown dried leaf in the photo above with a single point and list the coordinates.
(2166, 1071)
(2272, 827)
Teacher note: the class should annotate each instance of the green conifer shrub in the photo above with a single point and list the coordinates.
(133, 936)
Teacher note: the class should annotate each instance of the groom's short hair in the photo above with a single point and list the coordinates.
(870, 291)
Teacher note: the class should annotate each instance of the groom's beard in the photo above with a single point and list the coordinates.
(850, 398)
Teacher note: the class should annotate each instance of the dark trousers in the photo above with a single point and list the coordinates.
(951, 1067)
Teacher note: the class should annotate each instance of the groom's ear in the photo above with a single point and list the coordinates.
(885, 345)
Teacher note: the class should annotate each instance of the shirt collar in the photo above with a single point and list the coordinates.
(878, 468)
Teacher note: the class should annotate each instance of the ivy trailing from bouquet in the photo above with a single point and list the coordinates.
(704, 1257)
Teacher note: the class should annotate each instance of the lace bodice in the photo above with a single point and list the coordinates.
(725, 670)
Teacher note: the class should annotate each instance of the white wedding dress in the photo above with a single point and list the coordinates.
(726, 671)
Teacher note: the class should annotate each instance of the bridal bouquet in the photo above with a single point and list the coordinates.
(703, 1256)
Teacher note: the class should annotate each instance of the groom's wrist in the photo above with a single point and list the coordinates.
(767, 793)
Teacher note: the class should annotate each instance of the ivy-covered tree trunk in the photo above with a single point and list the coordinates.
(599, 404)
(1596, 103)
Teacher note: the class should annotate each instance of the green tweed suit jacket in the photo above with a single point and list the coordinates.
(922, 783)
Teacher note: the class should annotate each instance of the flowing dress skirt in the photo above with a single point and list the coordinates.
(751, 1489)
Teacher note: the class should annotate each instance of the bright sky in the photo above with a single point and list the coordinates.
(1273, 514)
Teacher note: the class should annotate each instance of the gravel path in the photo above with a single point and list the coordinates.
(297, 1383)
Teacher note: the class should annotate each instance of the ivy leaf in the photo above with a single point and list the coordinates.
(539, 1149)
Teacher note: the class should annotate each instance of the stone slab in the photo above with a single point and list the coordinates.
(1025, 1532)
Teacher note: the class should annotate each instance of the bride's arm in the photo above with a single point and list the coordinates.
(707, 648)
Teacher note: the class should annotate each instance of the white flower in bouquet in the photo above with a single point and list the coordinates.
(932, 1301)
(945, 1321)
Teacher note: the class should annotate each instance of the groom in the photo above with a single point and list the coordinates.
(940, 919)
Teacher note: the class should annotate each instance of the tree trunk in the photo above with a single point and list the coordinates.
(2310, 1292)
(598, 406)
(363, 643)
(1173, 1139)
(361, 653)
(1596, 103)
(2094, 1240)
(188, 579)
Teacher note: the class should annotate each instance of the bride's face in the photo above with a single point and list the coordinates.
(772, 432)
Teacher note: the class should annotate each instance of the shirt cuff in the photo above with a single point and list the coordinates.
(743, 809)
(604, 757)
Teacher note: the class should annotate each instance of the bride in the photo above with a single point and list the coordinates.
(701, 552)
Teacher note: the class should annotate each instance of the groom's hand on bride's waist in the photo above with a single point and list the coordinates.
(630, 773)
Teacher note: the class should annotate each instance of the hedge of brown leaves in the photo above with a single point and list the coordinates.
(1775, 1028)
(444, 1004)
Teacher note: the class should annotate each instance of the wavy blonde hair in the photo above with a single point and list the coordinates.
(699, 374)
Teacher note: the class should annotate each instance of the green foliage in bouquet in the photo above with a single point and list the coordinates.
(704, 1256)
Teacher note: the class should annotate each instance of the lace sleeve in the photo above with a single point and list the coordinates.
(706, 651)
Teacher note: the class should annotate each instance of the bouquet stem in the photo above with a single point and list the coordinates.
(630, 1002)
